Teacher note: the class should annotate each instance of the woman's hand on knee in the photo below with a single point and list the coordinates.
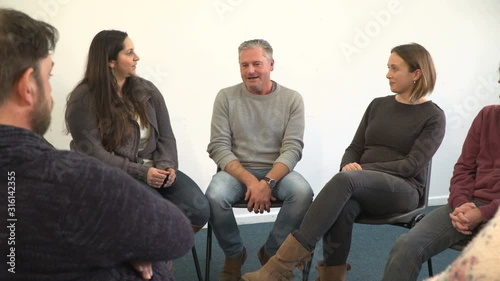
(352, 167)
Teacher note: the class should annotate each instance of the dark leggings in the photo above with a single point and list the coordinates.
(186, 195)
(342, 199)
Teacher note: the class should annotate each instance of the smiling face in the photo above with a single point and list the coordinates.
(40, 116)
(125, 64)
(255, 69)
(399, 75)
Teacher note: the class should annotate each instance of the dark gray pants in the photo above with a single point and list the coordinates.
(432, 235)
(186, 195)
(342, 199)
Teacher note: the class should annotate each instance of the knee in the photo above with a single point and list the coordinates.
(405, 245)
(199, 219)
(212, 193)
(215, 191)
(340, 179)
(302, 192)
(297, 187)
(301, 198)
(202, 213)
(223, 191)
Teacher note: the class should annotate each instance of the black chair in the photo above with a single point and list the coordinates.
(196, 263)
(408, 219)
(243, 204)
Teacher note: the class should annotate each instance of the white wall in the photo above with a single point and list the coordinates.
(333, 52)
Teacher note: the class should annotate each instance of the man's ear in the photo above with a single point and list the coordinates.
(25, 87)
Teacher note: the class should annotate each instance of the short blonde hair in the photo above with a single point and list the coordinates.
(417, 57)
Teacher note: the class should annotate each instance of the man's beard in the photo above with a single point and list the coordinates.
(40, 118)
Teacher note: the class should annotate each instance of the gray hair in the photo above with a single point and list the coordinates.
(256, 43)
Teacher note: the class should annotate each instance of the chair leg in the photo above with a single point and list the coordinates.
(429, 267)
(196, 263)
(208, 255)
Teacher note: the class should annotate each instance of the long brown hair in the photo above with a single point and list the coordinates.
(114, 114)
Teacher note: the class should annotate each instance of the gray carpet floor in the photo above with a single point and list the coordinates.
(370, 247)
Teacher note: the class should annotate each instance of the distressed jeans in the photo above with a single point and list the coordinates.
(225, 190)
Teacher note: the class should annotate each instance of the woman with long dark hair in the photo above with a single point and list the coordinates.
(122, 119)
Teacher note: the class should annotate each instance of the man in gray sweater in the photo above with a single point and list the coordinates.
(66, 216)
(256, 141)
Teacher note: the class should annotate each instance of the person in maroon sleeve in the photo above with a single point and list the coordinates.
(66, 216)
(477, 261)
(474, 199)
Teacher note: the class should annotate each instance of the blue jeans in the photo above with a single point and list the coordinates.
(225, 190)
(342, 199)
(432, 235)
(186, 195)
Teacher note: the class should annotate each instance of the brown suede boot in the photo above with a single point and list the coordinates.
(232, 267)
(280, 267)
(332, 273)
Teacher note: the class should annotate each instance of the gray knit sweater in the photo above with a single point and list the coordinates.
(257, 130)
(161, 147)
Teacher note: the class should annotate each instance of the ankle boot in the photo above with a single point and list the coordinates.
(280, 267)
(232, 267)
(331, 273)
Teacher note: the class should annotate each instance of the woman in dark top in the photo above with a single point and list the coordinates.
(382, 171)
(122, 119)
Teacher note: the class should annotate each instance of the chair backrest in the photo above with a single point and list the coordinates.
(408, 219)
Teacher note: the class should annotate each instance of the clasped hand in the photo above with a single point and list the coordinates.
(466, 218)
(259, 197)
(156, 177)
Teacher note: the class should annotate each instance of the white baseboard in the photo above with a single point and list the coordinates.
(244, 217)
(438, 200)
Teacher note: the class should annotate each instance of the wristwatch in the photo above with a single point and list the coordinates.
(271, 182)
